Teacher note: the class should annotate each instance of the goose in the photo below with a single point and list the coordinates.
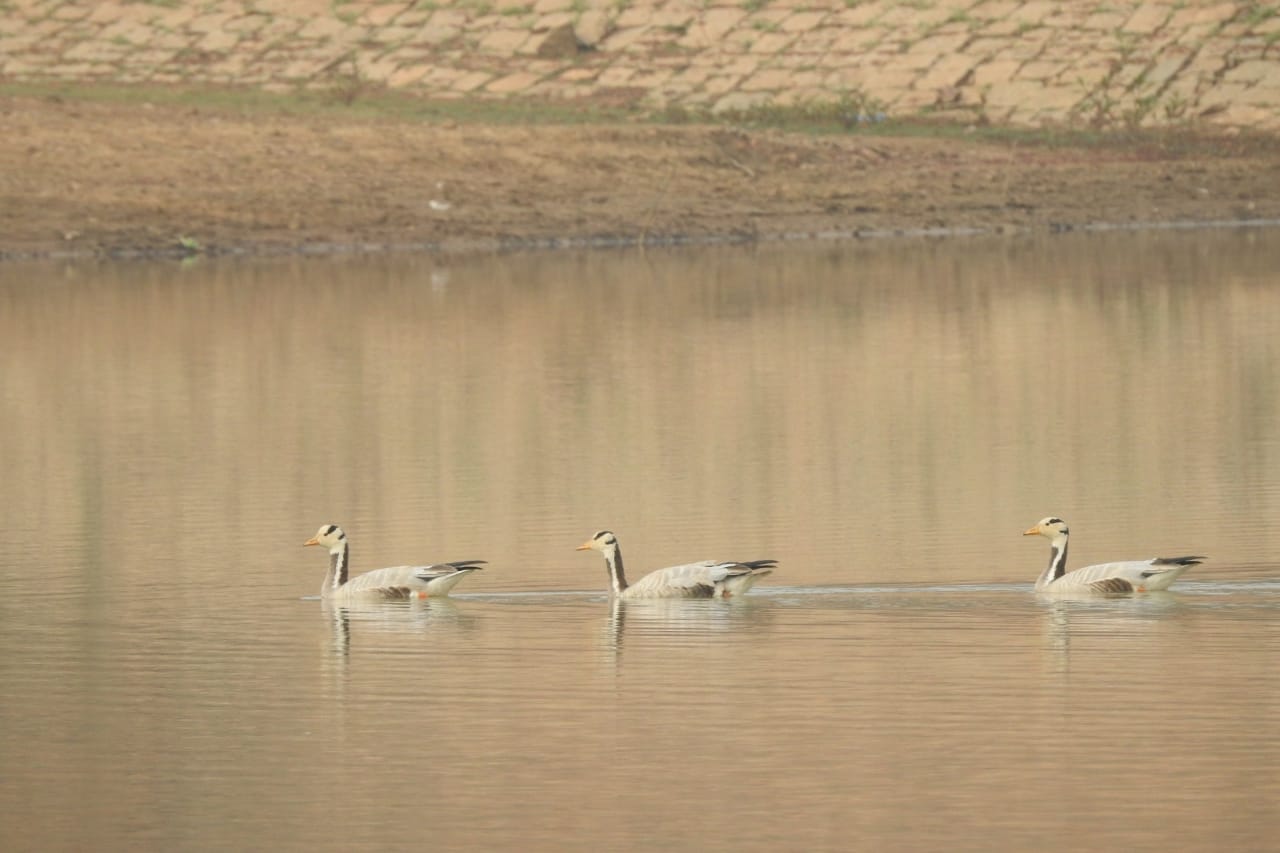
(707, 579)
(1126, 576)
(398, 582)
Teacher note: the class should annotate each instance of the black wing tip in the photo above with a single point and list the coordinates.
(468, 564)
(761, 564)
(1179, 561)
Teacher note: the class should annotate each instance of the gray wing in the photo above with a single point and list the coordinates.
(398, 581)
(696, 580)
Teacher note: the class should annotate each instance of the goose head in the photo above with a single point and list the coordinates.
(1050, 528)
(604, 541)
(330, 536)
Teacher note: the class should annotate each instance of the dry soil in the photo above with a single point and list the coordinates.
(87, 177)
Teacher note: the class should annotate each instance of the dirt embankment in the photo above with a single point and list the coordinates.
(96, 178)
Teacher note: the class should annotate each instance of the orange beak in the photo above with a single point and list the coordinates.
(311, 541)
(585, 546)
(1031, 531)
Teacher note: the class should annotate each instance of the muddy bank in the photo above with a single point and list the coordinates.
(90, 178)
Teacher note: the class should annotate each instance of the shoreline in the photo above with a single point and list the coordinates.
(178, 253)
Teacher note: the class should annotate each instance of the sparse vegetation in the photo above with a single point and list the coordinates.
(1256, 13)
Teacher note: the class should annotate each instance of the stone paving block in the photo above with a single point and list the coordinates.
(551, 21)
(1086, 76)
(170, 41)
(861, 15)
(1164, 70)
(717, 22)
(503, 42)
(579, 75)
(802, 22)
(431, 35)
(949, 70)
(207, 23)
(720, 84)
(995, 10)
(376, 70)
(736, 101)
(71, 12)
(766, 80)
(127, 32)
(671, 19)
(384, 13)
(1197, 13)
(1041, 70)
(1147, 19)
(615, 76)
(623, 38)
(1250, 72)
(1105, 20)
(512, 83)
(820, 41)
(1057, 98)
(11, 46)
(1036, 12)
(857, 41)
(94, 51)
(771, 43)
(880, 80)
(995, 73)
(471, 81)
(912, 19)
(1003, 29)
(1011, 93)
(218, 41)
(106, 13)
(245, 24)
(916, 61)
(912, 100)
(984, 48)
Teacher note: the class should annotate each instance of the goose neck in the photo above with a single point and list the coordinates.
(617, 577)
(1057, 561)
(339, 560)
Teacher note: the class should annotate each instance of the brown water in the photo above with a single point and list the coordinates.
(883, 419)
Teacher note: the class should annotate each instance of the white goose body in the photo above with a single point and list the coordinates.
(706, 579)
(1124, 576)
(397, 582)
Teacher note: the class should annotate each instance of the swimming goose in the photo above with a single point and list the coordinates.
(396, 582)
(707, 579)
(1127, 576)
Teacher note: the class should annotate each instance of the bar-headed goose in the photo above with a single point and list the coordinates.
(396, 582)
(1127, 576)
(707, 579)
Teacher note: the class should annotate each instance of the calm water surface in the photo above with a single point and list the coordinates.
(884, 420)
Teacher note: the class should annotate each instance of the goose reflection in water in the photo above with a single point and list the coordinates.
(664, 623)
(369, 618)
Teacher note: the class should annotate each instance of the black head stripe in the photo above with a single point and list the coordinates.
(328, 531)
